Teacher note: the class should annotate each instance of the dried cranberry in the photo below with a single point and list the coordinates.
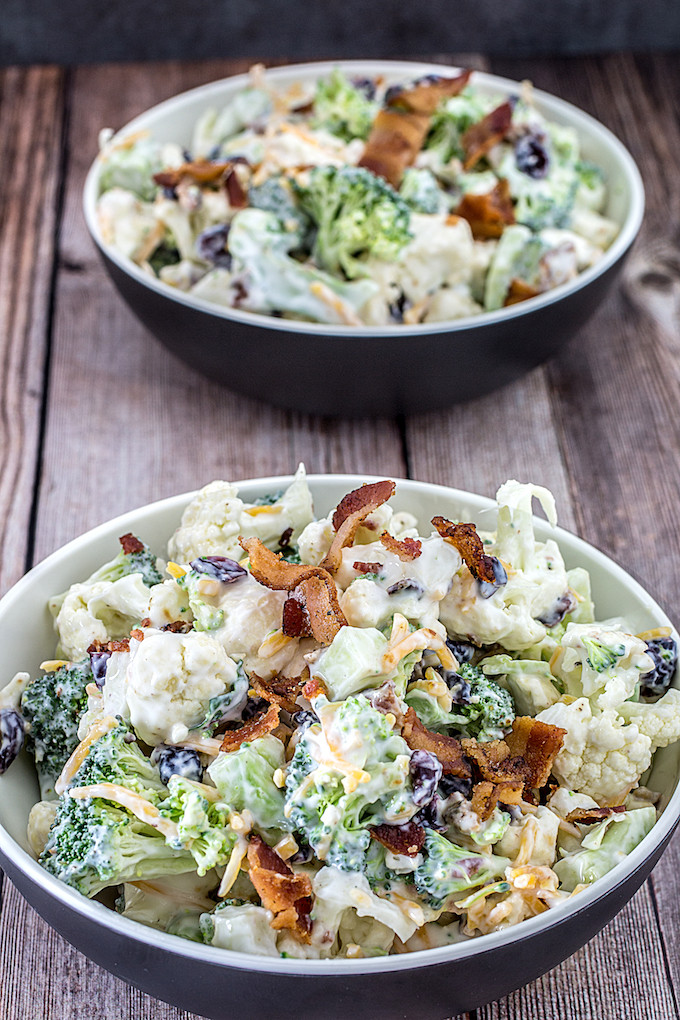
(532, 156)
(454, 784)
(462, 651)
(426, 771)
(487, 588)
(406, 584)
(559, 609)
(364, 85)
(98, 661)
(211, 246)
(177, 761)
(11, 736)
(220, 568)
(664, 652)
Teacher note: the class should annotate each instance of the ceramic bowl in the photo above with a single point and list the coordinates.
(209, 981)
(372, 370)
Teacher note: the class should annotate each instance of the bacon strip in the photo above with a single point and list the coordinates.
(481, 137)
(367, 568)
(200, 171)
(280, 690)
(486, 795)
(119, 645)
(408, 839)
(489, 214)
(399, 130)
(590, 816)
(287, 895)
(406, 548)
(350, 512)
(538, 744)
(315, 590)
(259, 726)
(448, 750)
(131, 544)
(470, 546)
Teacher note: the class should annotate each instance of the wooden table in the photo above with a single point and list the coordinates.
(96, 418)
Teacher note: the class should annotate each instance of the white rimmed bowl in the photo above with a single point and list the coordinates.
(372, 370)
(221, 984)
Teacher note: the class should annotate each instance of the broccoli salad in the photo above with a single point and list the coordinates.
(341, 737)
(356, 202)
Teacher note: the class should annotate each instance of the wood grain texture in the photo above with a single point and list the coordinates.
(31, 111)
(125, 423)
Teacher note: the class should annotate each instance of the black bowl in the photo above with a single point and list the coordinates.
(372, 370)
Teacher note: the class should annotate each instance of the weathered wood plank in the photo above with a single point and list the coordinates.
(153, 426)
(31, 103)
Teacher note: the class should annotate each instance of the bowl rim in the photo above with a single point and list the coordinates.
(547, 101)
(118, 925)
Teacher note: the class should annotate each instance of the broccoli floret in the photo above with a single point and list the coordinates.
(226, 707)
(487, 709)
(601, 656)
(134, 558)
(275, 195)
(52, 706)
(342, 108)
(203, 824)
(116, 758)
(94, 844)
(420, 191)
(447, 870)
(449, 123)
(357, 215)
(548, 202)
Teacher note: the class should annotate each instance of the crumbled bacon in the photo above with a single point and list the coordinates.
(131, 544)
(287, 895)
(119, 645)
(481, 137)
(486, 795)
(538, 744)
(489, 214)
(313, 688)
(176, 627)
(349, 514)
(315, 588)
(590, 816)
(448, 750)
(367, 568)
(519, 290)
(399, 130)
(137, 634)
(259, 726)
(200, 171)
(470, 546)
(406, 548)
(407, 839)
(280, 690)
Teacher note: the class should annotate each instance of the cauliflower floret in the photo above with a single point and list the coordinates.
(216, 518)
(601, 755)
(252, 616)
(659, 721)
(601, 660)
(451, 303)
(168, 603)
(537, 579)
(315, 541)
(170, 680)
(101, 611)
(128, 224)
(40, 822)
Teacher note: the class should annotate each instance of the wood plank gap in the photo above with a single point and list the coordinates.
(664, 946)
(51, 307)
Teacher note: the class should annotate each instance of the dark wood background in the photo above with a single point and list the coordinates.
(96, 418)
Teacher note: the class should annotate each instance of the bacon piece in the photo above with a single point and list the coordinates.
(590, 816)
(519, 290)
(470, 546)
(259, 726)
(313, 688)
(398, 131)
(538, 744)
(349, 514)
(448, 750)
(486, 795)
(119, 645)
(295, 618)
(137, 634)
(406, 548)
(176, 627)
(407, 839)
(367, 568)
(481, 137)
(315, 588)
(200, 171)
(287, 895)
(280, 690)
(489, 214)
(131, 544)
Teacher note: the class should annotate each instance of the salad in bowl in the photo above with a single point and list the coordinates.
(349, 737)
(358, 200)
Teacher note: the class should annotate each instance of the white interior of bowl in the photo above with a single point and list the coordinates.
(174, 119)
(28, 638)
